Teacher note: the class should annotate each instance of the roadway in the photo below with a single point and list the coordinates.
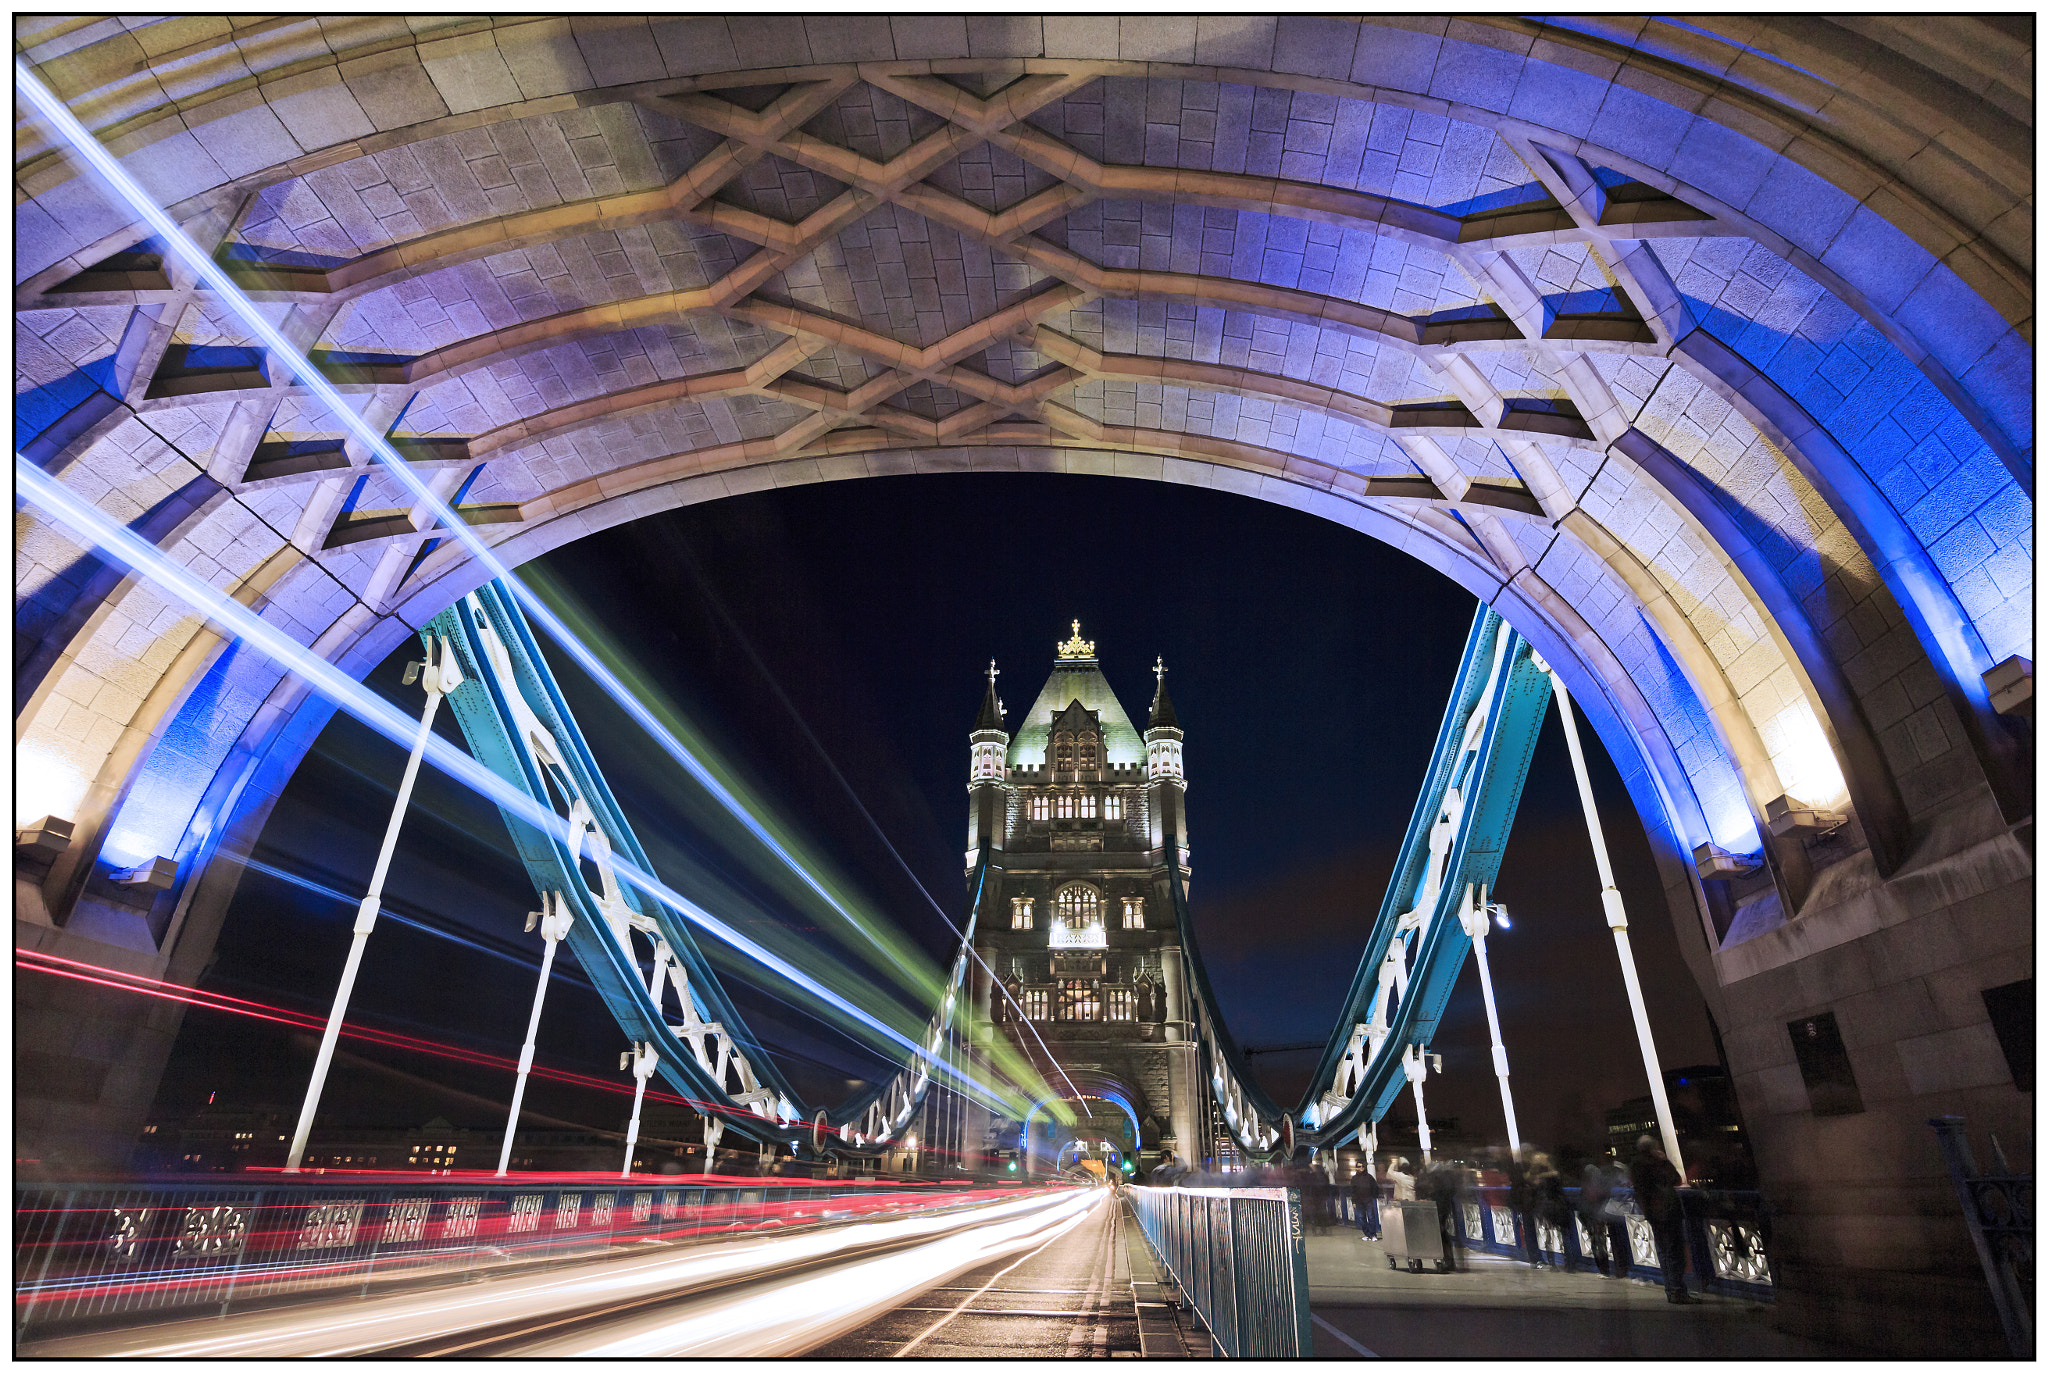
(1030, 1275)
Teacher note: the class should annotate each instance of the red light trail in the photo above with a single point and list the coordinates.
(32, 961)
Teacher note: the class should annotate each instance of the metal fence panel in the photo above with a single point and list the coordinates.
(1238, 1255)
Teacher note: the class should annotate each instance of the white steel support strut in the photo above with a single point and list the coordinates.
(554, 919)
(1416, 1063)
(439, 674)
(1475, 920)
(643, 1060)
(1617, 920)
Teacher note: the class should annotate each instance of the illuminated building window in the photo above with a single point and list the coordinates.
(1112, 807)
(1037, 1003)
(1020, 912)
(1120, 1003)
(1088, 751)
(1080, 999)
(1087, 801)
(1063, 751)
(1134, 912)
(1041, 808)
(1066, 806)
(1078, 907)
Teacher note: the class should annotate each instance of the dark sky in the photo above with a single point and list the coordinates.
(845, 626)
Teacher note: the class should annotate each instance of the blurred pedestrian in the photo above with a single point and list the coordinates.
(1521, 1202)
(1439, 1183)
(1365, 1199)
(1596, 1208)
(1656, 1185)
(1399, 1181)
(1550, 1205)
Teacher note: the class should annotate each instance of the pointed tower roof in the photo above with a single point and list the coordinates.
(1162, 704)
(1077, 676)
(991, 717)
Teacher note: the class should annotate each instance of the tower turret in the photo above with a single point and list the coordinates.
(1163, 734)
(1163, 771)
(988, 744)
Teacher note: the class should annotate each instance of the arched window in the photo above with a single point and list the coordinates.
(1041, 808)
(1077, 918)
(1134, 912)
(1090, 750)
(1079, 906)
(1112, 807)
(1020, 912)
(1066, 805)
(1063, 751)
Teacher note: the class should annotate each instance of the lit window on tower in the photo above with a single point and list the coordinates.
(1120, 1003)
(1020, 912)
(1078, 907)
(1112, 807)
(1041, 808)
(1087, 801)
(1134, 912)
(1066, 806)
(1037, 1003)
(1080, 999)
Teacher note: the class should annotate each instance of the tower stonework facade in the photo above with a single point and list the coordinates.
(1080, 955)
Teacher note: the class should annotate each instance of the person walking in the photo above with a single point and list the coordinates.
(1521, 1201)
(1440, 1184)
(1399, 1181)
(1596, 1191)
(1551, 1207)
(1656, 1185)
(1365, 1199)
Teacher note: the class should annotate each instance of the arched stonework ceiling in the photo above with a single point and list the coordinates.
(1704, 354)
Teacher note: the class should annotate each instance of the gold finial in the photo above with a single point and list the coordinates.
(1077, 647)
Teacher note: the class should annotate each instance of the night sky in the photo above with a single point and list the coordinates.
(829, 640)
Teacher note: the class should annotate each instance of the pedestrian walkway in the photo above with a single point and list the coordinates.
(1069, 1299)
(1507, 1309)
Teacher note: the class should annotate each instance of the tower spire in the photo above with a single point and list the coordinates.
(1162, 704)
(991, 716)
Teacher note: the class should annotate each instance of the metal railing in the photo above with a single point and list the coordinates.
(98, 1255)
(1999, 1209)
(1237, 1255)
(1725, 1236)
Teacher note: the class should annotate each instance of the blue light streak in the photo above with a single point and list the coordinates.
(231, 616)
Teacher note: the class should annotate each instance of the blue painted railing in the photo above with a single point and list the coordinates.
(1723, 1237)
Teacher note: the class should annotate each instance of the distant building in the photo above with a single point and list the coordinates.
(238, 1139)
(1706, 1118)
(1084, 814)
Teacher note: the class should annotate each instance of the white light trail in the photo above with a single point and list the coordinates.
(361, 1327)
(145, 560)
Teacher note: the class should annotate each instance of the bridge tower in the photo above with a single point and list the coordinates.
(1075, 928)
